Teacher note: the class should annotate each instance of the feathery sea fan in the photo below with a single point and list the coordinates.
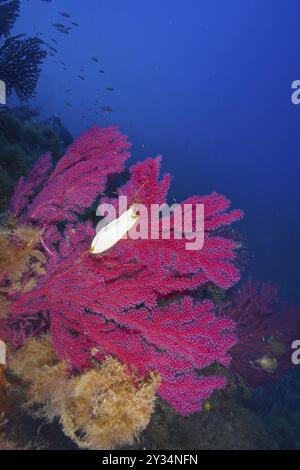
(135, 302)
(79, 177)
(266, 329)
(27, 188)
(20, 59)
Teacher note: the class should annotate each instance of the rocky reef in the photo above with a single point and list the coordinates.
(22, 140)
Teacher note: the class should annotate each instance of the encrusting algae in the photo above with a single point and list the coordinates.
(103, 408)
(4, 306)
(20, 259)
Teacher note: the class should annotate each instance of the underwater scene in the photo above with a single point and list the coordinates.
(149, 225)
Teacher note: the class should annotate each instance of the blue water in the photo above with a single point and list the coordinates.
(205, 83)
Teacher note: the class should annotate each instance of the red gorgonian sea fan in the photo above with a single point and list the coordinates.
(27, 187)
(266, 328)
(135, 301)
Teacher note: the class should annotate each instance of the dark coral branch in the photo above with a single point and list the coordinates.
(9, 11)
(20, 61)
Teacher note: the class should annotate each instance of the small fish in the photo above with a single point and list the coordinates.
(68, 104)
(207, 406)
(63, 31)
(267, 339)
(109, 88)
(101, 71)
(269, 364)
(74, 23)
(58, 25)
(275, 345)
(106, 109)
(81, 77)
(19, 36)
(95, 59)
(114, 231)
(65, 14)
(54, 40)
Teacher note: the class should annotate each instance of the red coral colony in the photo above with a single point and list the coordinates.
(135, 302)
(266, 329)
(139, 301)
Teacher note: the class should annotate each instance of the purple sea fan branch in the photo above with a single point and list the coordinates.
(28, 187)
(135, 301)
(80, 176)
